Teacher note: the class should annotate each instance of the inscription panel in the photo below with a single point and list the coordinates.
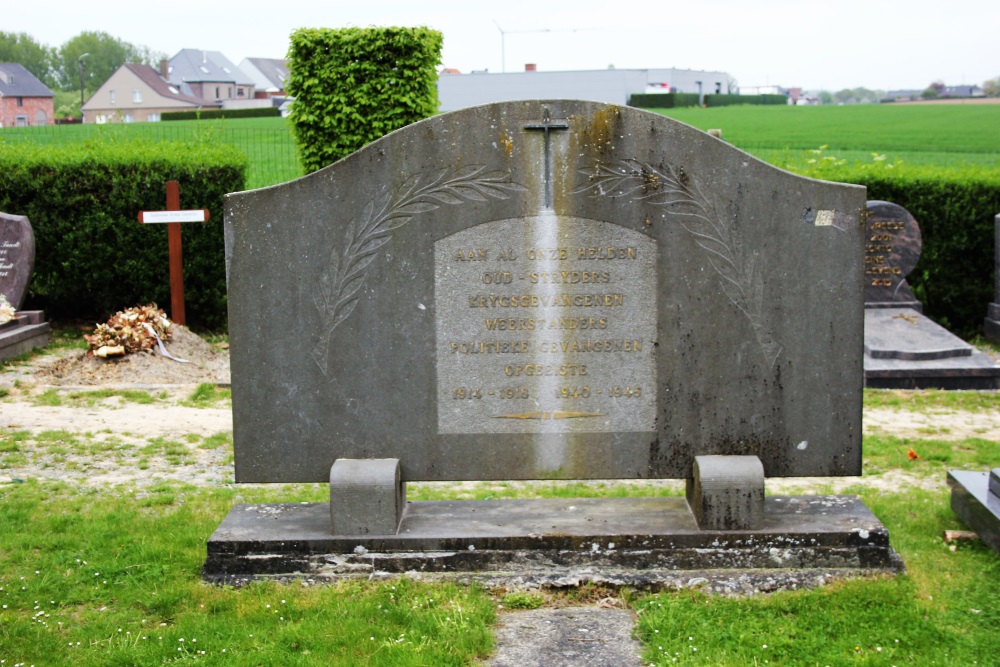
(546, 324)
(892, 248)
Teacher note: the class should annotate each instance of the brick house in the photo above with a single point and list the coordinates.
(209, 75)
(136, 94)
(24, 100)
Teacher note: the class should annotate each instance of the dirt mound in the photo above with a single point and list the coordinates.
(205, 364)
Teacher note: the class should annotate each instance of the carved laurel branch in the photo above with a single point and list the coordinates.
(386, 212)
(738, 269)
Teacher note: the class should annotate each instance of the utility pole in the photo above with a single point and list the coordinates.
(80, 62)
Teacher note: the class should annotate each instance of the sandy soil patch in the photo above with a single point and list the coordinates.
(116, 442)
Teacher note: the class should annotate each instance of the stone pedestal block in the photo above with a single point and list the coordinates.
(727, 492)
(367, 497)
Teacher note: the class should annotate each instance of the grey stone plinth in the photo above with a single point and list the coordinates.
(973, 500)
(28, 331)
(906, 350)
(991, 325)
(727, 492)
(367, 497)
(649, 543)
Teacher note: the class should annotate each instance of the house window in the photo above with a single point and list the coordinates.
(114, 97)
(216, 92)
(20, 101)
(229, 92)
(137, 96)
(20, 121)
(127, 118)
(153, 117)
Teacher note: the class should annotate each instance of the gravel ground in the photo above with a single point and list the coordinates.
(115, 441)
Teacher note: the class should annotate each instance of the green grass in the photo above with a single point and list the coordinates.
(98, 578)
(932, 399)
(207, 395)
(944, 129)
(267, 142)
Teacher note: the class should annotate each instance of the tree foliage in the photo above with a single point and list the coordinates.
(21, 48)
(354, 85)
(105, 55)
(991, 88)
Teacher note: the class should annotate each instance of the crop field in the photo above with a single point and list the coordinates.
(790, 137)
(940, 135)
(267, 142)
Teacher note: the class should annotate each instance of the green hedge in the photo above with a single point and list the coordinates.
(92, 256)
(207, 114)
(354, 85)
(955, 208)
(673, 100)
(757, 100)
(663, 100)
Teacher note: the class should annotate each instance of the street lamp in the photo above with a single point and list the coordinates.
(80, 62)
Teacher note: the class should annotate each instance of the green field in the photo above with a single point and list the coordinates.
(267, 142)
(944, 135)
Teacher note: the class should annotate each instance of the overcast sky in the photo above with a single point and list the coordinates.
(879, 44)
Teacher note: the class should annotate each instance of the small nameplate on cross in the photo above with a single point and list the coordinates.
(546, 126)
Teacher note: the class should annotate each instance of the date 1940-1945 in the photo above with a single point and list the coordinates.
(478, 393)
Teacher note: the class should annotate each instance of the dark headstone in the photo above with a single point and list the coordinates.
(975, 498)
(17, 257)
(892, 249)
(903, 348)
(28, 330)
(992, 324)
(546, 290)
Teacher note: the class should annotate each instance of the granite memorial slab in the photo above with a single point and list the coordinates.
(975, 498)
(991, 327)
(541, 290)
(28, 329)
(904, 349)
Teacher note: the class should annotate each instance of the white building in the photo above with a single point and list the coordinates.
(614, 86)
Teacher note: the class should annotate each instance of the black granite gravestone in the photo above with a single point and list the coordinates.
(975, 498)
(903, 348)
(28, 329)
(546, 290)
(991, 327)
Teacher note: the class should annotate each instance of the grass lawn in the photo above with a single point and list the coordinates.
(112, 576)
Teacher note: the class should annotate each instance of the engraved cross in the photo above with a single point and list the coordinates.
(546, 126)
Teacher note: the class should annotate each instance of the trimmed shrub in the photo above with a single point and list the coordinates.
(208, 114)
(955, 208)
(354, 85)
(674, 100)
(756, 100)
(92, 256)
(663, 100)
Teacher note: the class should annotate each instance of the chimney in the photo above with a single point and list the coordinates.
(165, 69)
(531, 67)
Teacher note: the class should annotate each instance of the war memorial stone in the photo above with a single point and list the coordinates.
(546, 290)
(28, 329)
(903, 348)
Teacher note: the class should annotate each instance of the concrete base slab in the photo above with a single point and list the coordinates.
(566, 638)
(637, 542)
(25, 333)
(906, 350)
(975, 505)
